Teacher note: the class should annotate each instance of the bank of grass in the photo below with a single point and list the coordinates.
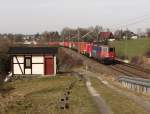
(40, 96)
(131, 48)
(118, 103)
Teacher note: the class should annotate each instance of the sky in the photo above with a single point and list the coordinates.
(32, 16)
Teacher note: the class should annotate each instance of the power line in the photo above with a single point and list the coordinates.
(138, 17)
(137, 20)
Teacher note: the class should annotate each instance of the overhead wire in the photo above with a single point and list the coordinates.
(135, 21)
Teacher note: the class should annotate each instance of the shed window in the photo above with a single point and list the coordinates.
(28, 62)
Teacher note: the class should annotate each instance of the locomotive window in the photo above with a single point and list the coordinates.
(104, 49)
(111, 49)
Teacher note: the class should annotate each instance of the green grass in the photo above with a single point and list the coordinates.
(132, 48)
(41, 96)
(118, 103)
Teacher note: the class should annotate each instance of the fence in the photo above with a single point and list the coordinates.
(137, 84)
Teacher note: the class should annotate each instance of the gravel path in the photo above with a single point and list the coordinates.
(137, 99)
(101, 104)
(140, 101)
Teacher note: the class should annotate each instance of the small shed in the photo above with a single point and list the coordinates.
(33, 60)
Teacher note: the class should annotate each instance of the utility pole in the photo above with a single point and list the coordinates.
(126, 36)
(78, 39)
(69, 35)
(97, 37)
(63, 36)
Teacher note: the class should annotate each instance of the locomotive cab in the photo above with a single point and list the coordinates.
(107, 54)
(112, 52)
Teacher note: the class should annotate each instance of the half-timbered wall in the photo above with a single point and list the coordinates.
(18, 64)
(37, 65)
(55, 66)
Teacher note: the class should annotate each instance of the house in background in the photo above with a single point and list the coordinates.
(33, 60)
(106, 36)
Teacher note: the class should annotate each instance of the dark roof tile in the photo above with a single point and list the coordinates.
(33, 50)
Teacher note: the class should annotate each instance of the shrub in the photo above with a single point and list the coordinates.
(4, 64)
(147, 54)
(136, 60)
(124, 57)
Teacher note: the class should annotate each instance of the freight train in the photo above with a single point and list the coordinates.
(103, 53)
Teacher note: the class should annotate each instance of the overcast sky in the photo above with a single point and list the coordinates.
(32, 16)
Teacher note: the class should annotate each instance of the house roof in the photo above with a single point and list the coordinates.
(33, 50)
(106, 35)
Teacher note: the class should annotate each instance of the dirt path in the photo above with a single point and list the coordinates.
(138, 100)
(99, 101)
(101, 104)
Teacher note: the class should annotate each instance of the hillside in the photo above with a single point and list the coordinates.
(131, 48)
(41, 96)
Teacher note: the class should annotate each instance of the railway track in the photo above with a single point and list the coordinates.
(138, 68)
(128, 69)
(131, 70)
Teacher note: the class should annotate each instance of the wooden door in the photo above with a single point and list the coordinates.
(49, 66)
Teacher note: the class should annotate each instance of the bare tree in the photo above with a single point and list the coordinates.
(118, 34)
(97, 31)
(148, 32)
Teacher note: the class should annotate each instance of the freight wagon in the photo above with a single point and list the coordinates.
(102, 53)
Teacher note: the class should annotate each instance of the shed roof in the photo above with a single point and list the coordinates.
(33, 50)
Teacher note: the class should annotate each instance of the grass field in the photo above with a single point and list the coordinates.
(132, 48)
(41, 96)
(118, 103)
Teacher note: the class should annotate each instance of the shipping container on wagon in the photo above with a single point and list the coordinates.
(75, 45)
(94, 51)
(66, 44)
(53, 43)
(61, 43)
(89, 49)
(82, 46)
(70, 44)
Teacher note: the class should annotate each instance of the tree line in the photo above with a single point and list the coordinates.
(89, 34)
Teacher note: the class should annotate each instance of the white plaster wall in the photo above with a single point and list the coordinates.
(37, 59)
(17, 69)
(38, 69)
(20, 59)
(55, 67)
(27, 71)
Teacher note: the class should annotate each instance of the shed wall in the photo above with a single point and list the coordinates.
(38, 65)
